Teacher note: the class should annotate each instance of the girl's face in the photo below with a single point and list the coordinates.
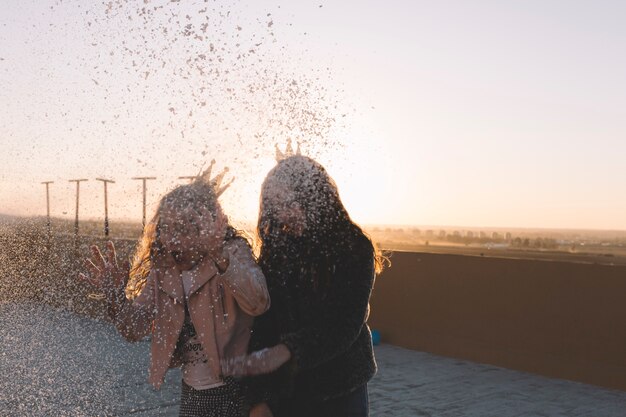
(281, 202)
(187, 232)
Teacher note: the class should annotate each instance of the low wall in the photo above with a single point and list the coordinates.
(559, 319)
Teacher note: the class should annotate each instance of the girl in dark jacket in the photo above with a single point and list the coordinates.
(314, 342)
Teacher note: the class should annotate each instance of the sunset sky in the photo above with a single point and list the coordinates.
(470, 113)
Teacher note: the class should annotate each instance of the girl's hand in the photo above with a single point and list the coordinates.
(211, 232)
(260, 362)
(104, 273)
(261, 410)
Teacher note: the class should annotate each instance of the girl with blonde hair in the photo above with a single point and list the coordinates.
(194, 288)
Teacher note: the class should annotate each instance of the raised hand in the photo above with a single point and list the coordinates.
(211, 231)
(105, 274)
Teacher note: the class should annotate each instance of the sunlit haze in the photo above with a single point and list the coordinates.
(481, 113)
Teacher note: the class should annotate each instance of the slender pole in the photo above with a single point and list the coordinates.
(48, 205)
(143, 180)
(78, 181)
(106, 204)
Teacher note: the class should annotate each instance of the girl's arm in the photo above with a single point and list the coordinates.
(133, 318)
(244, 278)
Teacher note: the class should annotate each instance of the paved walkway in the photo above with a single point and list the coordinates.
(53, 363)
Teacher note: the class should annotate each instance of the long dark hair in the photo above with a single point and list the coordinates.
(329, 233)
(150, 252)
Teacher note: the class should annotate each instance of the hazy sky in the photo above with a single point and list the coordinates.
(471, 113)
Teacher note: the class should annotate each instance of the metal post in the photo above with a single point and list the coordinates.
(106, 205)
(77, 200)
(48, 206)
(144, 179)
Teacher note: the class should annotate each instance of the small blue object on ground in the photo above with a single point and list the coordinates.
(375, 337)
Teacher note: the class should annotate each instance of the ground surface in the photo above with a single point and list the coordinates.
(53, 363)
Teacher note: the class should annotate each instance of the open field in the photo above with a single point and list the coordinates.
(599, 257)
(44, 268)
(95, 228)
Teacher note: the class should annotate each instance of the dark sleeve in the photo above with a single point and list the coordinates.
(340, 319)
(264, 332)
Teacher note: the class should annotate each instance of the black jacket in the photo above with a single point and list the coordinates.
(323, 324)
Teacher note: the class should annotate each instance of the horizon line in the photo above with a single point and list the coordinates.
(368, 225)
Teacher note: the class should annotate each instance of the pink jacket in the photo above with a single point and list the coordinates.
(221, 306)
